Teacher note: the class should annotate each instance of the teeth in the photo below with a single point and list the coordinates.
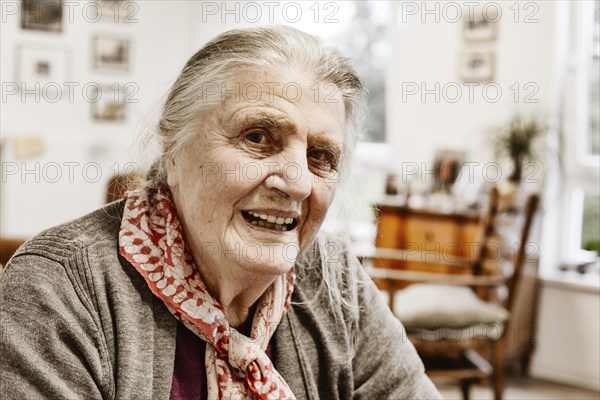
(266, 221)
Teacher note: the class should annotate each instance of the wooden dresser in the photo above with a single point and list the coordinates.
(432, 236)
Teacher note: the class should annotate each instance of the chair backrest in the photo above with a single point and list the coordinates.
(8, 247)
(486, 231)
(523, 209)
(505, 236)
(507, 230)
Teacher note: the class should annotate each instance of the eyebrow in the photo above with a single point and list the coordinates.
(267, 120)
(324, 143)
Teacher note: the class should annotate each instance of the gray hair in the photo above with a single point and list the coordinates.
(264, 48)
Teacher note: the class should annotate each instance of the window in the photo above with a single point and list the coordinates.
(581, 138)
(593, 144)
(590, 229)
(361, 33)
(365, 40)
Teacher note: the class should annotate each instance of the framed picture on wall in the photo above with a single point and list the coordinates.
(447, 166)
(118, 10)
(477, 65)
(108, 103)
(41, 68)
(111, 53)
(480, 26)
(42, 15)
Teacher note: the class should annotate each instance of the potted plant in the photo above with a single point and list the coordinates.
(517, 141)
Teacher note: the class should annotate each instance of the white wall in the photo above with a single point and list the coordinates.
(426, 53)
(567, 348)
(161, 39)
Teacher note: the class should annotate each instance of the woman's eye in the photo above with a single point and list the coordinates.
(257, 138)
(321, 160)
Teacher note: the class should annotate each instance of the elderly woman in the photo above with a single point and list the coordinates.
(213, 281)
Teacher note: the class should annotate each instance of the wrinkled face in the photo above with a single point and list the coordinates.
(254, 185)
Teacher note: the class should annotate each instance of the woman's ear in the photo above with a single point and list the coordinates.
(172, 173)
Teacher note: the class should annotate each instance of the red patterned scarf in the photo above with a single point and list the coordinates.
(237, 367)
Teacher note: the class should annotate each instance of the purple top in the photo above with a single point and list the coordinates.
(189, 374)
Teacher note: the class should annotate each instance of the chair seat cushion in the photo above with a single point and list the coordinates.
(435, 306)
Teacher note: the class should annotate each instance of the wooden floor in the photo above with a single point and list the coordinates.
(518, 388)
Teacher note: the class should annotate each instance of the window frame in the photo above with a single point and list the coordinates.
(581, 168)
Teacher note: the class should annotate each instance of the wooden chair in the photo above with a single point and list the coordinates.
(8, 247)
(458, 322)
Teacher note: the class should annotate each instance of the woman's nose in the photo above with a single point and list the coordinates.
(290, 175)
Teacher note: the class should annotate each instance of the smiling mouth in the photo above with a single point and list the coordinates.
(270, 221)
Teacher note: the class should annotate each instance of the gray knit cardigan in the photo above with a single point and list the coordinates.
(77, 321)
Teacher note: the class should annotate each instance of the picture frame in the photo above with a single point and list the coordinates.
(447, 167)
(117, 10)
(42, 15)
(111, 53)
(108, 103)
(477, 66)
(480, 26)
(38, 66)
